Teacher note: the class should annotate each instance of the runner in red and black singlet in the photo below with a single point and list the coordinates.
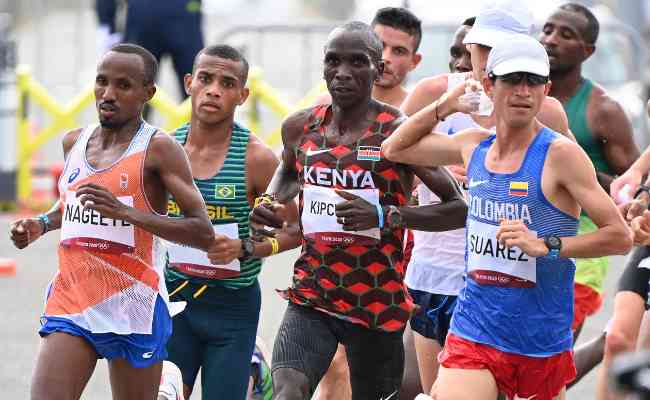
(348, 282)
(326, 275)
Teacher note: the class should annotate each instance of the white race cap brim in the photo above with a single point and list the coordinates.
(521, 64)
(485, 36)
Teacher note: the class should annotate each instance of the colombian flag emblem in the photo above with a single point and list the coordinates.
(519, 189)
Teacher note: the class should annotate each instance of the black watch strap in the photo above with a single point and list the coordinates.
(248, 248)
(641, 189)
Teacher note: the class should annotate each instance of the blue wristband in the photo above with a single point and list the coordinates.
(46, 222)
(380, 214)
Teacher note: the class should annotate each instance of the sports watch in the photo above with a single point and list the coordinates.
(248, 249)
(554, 245)
(394, 218)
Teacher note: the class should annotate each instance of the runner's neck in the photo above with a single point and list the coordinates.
(212, 135)
(565, 85)
(110, 137)
(510, 140)
(353, 119)
(393, 96)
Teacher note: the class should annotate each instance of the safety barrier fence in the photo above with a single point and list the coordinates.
(64, 116)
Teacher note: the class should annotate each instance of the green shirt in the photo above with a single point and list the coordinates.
(225, 197)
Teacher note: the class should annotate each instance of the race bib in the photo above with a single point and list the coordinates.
(491, 263)
(319, 217)
(89, 230)
(195, 262)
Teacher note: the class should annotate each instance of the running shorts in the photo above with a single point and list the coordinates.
(139, 350)
(636, 275)
(541, 378)
(586, 302)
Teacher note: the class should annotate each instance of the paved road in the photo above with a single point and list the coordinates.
(21, 300)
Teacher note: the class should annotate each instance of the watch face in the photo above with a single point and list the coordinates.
(553, 241)
(249, 248)
(394, 218)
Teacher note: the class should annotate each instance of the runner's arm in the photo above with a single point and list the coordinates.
(260, 158)
(414, 144)
(168, 159)
(575, 173)
(54, 213)
(25, 231)
(450, 213)
(612, 127)
(284, 185)
(631, 178)
(425, 92)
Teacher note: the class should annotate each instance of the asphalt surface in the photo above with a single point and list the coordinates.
(21, 302)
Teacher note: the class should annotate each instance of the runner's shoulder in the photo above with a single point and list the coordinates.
(604, 108)
(434, 85)
(563, 148)
(163, 147)
(472, 135)
(551, 104)
(294, 125)
(70, 138)
(425, 92)
(259, 153)
(388, 114)
(552, 114)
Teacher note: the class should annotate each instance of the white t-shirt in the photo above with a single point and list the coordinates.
(438, 261)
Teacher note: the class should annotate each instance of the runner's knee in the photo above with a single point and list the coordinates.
(290, 384)
(617, 342)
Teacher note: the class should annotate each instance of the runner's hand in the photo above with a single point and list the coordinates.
(641, 229)
(25, 231)
(459, 172)
(514, 233)
(267, 214)
(636, 207)
(631, 178)
(451, 98)
(98, 198)
(224, 250)
(357, 213)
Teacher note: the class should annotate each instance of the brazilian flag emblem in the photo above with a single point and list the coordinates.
(224, 191)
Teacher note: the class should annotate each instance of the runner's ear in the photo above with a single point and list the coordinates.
(150, 92)
(187, 82)
(380, 69)
(243, 95)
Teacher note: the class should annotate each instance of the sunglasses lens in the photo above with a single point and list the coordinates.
(536, 80)
(515, 78)
(512, 78)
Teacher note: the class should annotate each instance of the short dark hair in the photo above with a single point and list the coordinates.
(469, 21)
(402, 19)
(375, 48)
(149, 61)
(591, 31)
(227, 52)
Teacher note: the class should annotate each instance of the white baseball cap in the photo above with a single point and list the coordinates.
(498, 21)
(520, 53)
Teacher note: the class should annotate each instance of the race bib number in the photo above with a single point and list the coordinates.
(491, 263)
(319, 217)
(195, 262)
(89, 230)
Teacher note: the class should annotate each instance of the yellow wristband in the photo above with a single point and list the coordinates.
(275, 245)
(263, 199)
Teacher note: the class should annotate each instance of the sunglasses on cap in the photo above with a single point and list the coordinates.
(515, 78)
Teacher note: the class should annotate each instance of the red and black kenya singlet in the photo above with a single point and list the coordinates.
(355, 276)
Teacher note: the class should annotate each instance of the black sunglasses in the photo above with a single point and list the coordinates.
(515, 78)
